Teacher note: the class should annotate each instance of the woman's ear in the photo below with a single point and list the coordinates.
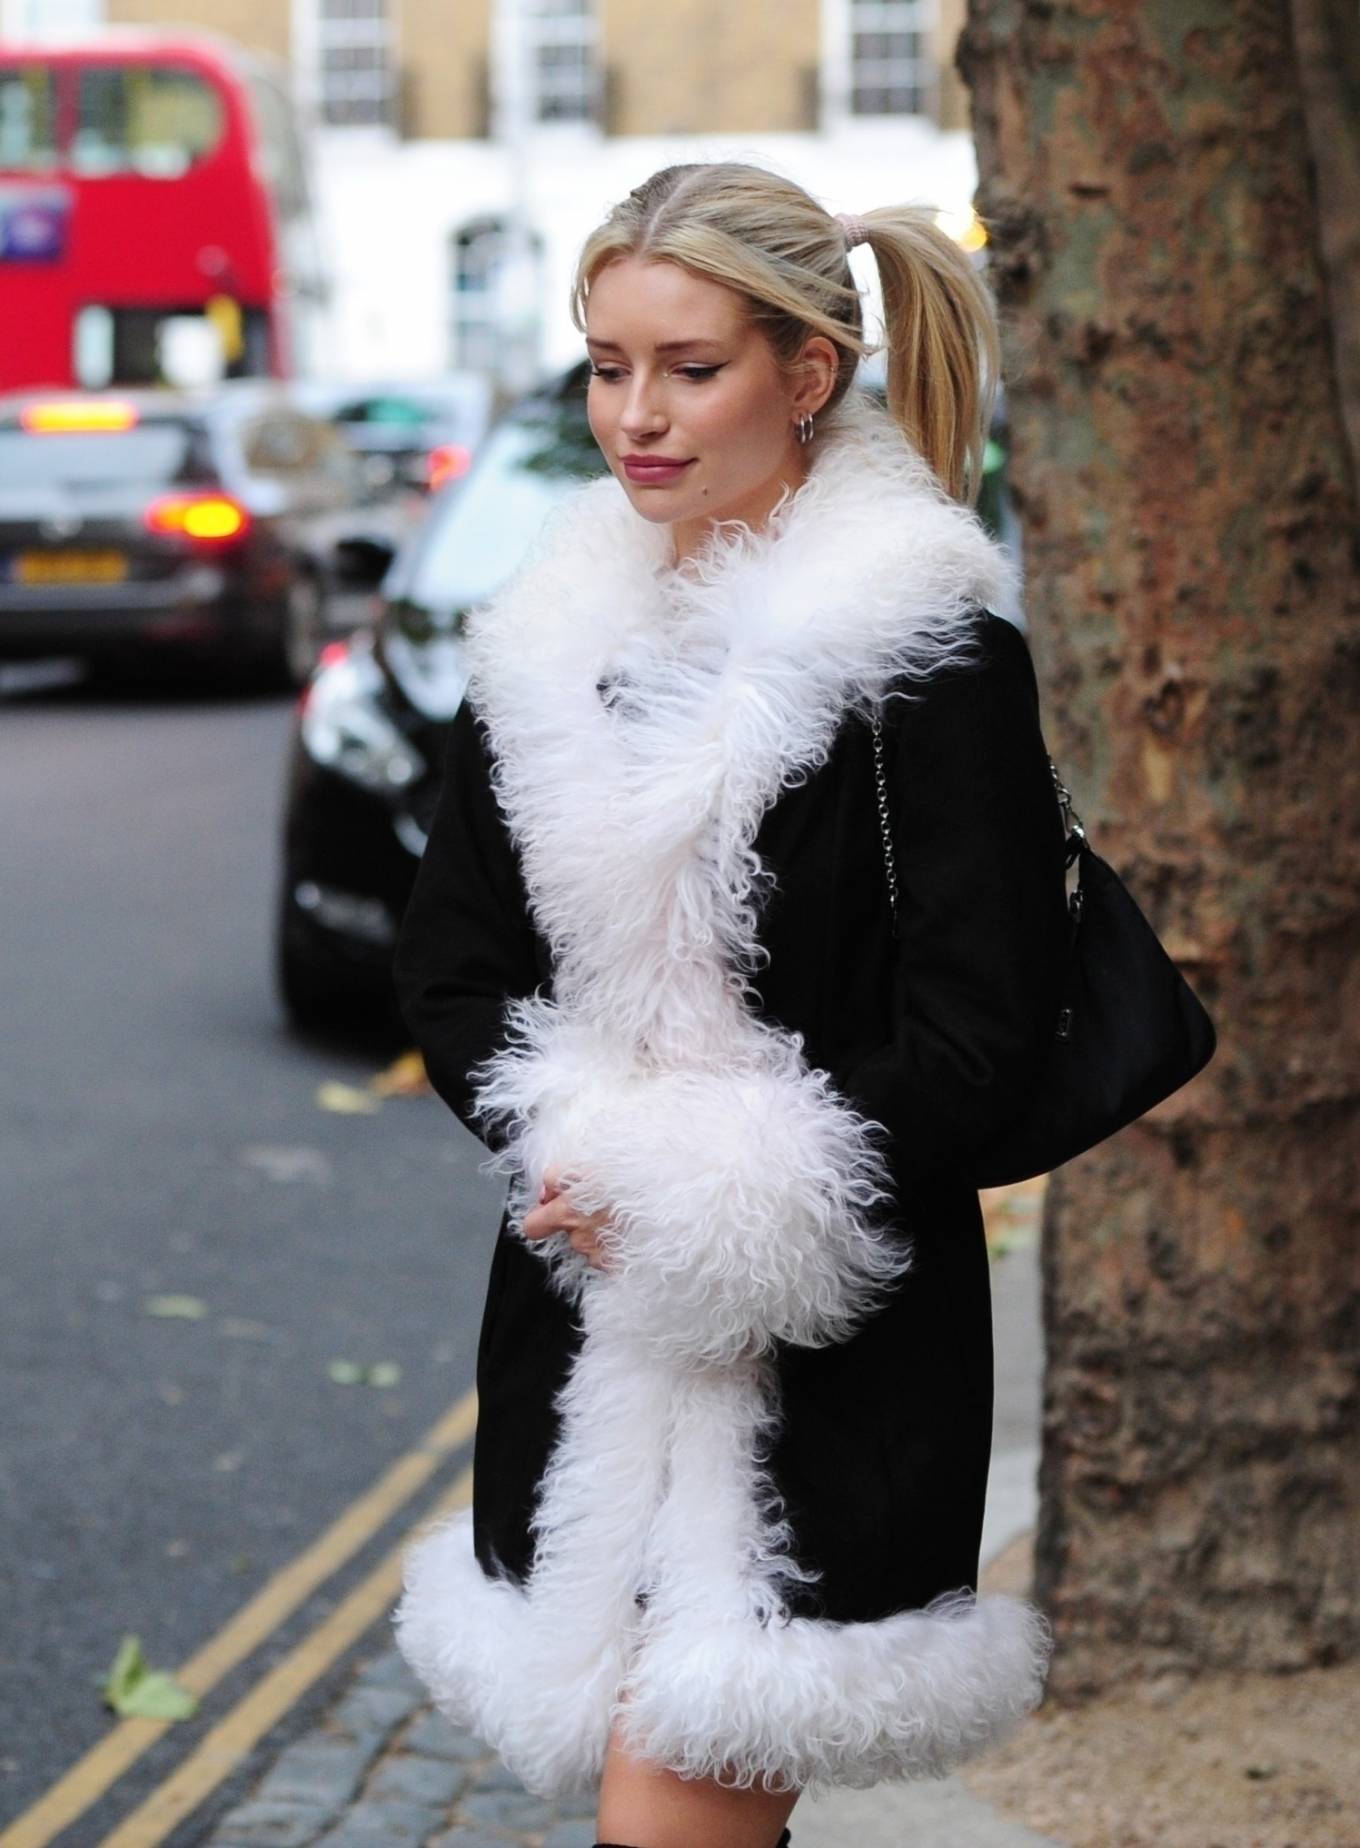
(818, 364)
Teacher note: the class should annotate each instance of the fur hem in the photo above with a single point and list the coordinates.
(801, 1703)
(741, 1199)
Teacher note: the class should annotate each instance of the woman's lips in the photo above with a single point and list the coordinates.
(655, 473)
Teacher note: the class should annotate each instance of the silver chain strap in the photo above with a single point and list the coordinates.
(1072, 827)
(884, 819)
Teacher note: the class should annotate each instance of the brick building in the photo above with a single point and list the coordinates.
(464, 147)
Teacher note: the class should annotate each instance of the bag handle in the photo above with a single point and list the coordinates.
(1074, 832)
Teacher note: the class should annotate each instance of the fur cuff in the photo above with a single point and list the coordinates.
(741, 1198)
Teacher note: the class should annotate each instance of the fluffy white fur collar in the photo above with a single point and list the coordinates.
(868, 569)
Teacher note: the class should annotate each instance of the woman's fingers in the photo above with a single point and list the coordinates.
(557, 1214)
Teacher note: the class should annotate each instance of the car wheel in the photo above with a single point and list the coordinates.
(321, 996)
(304, 629)
(314, 996)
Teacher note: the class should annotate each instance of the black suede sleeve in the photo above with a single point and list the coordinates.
(978, 964)
(467, 944)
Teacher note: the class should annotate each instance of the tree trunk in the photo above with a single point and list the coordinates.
(1327, 34)
(1189, 524)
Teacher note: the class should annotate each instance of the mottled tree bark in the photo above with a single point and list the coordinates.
(1327, 35)
(1189, 523)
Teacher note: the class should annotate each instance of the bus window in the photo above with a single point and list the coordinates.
(129, 346)
(28, 119)
(146, 119)
(280, 153)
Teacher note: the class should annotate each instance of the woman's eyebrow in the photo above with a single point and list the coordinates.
(663, 346)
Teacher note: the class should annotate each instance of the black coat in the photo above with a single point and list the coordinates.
(899, 1418)
(743, 1479)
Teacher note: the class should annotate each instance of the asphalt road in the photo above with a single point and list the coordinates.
(160, 1135)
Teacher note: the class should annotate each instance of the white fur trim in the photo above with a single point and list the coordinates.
(740, 1199)
(655, 1485)
(535, 1673)
(723, 1681)
(742, 1188)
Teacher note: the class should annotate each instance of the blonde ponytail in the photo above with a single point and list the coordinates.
(767, 238)
(943, 351)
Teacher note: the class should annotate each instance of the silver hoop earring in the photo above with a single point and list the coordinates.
(805, 427)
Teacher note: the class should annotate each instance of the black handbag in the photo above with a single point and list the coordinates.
(1130, 1029)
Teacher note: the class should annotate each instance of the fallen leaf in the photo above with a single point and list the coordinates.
(351, 1373)
(182, 1308)
(135, 1690)
(347, 1100)
(404, 1077)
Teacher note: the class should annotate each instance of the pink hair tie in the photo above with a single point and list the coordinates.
(855, 229)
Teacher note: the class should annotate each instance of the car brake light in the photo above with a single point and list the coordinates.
(209, 519)
(446, 463)
(66, 414)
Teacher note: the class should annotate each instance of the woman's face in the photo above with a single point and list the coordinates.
(686, 402)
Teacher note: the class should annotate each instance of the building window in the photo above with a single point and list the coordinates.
(560, 46)
(892, 70)
(495, 314)
(354, 62)
(477, 252)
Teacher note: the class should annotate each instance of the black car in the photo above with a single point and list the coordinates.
(369, 742)
(411, 435)
(371, 728)
(223, 528)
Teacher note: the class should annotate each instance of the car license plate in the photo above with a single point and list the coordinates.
(69, 568)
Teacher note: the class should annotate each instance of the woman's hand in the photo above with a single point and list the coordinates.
(555, 1213)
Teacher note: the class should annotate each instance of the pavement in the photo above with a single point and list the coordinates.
(382, 1768)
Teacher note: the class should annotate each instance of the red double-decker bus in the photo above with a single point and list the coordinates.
(154, 212)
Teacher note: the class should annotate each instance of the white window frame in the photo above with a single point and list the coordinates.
(496, 326)
(521, 30)
(574, 25)
(465, 326)
(843, 74)
(313, 34)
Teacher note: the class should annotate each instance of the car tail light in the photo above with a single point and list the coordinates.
(67, 414)
(207, 519)
(446, 463)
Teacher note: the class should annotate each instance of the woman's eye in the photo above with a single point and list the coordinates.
(693, 373)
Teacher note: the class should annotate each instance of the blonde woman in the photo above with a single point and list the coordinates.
(735, 1371)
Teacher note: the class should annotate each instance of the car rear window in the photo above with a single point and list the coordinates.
(151, 455)
(474, 542)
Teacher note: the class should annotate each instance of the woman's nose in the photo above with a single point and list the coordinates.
(643, 416)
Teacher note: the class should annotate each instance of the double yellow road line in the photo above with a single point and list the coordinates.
(270, 1698)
